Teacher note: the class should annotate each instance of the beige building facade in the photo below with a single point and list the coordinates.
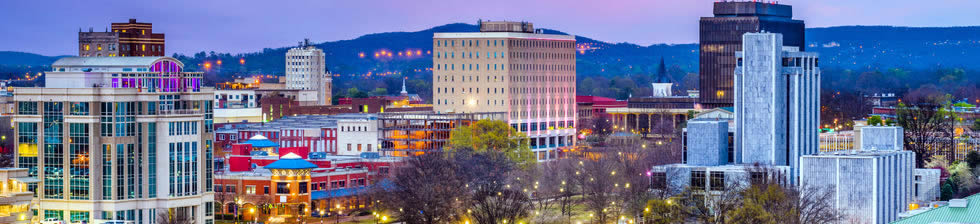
(508, 67)
(306, 70)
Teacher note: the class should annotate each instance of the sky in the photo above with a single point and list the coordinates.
(50, 27)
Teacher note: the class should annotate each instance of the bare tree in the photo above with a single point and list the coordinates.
(504, 206)
(426, 189)
(928, 129)
(171, 217)
(597, 175)
(814, 204)
(558, 186)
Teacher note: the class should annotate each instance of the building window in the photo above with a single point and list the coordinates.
(697, 180)
(250, 189)
(282, 188)
(717, 181)
(303, 187)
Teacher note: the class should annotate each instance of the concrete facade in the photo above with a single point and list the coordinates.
(925, 185)
(868, 186)
(357, 134)
(306, 69)
(882, 138)
(707, 142)
(777, 102)
(676, 178)
(507, 67)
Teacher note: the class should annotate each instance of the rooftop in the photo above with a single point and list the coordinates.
(965, 211)
(111, 61)
(291, 161)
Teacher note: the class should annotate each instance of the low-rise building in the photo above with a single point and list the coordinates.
(963, 210)
(15, 199)
(868, 186)
(403, 134)
(297, 184)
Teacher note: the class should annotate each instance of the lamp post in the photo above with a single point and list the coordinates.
(321, 216)
(254, 216)
(238, 201)
(339, 211)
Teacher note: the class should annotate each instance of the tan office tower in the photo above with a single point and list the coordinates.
(306, 69)
(508, 67)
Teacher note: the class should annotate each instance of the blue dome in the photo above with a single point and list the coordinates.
(291, 162)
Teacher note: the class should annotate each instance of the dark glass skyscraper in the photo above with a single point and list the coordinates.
(721, 37)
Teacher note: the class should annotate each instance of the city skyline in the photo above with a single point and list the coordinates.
(255, 25)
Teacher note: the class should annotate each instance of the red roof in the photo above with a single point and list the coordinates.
(600, 101)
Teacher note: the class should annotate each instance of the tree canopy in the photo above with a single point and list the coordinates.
(490, 135)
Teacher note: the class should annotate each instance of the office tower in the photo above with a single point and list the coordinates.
(306, 69)
(508, 67)
(125, 39)
(867, 186)
(777, 102)
(721, 37)
(118, 138)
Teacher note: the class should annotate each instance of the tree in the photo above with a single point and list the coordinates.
(597, 179)
(662, 211)
(557, 186)
(173, 217)
(973, 159)
(379, 92)
(353, 92)
(874, 121)
(947, 191)
(493, 183)
(491, 135)
(427, 189)
(967, 182)
(976, 125)
(928, 130)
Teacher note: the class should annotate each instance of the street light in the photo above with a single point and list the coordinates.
(321, 216)
(238, 208)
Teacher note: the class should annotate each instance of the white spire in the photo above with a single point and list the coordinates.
(404, 91)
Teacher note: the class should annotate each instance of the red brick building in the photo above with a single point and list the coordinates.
(138, 39)
(283, 188)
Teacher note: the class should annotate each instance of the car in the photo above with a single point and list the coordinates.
(114, 222)
(53, 221)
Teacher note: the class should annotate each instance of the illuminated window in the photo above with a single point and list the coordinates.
(143, 47)
(86, 47)
(143, 32)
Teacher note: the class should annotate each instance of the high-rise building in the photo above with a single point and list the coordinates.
(721, 37)
(125, 39)
(777, 102)
(508, 67)
(118, 138)
(306, 69)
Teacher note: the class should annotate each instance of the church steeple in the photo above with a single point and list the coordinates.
(661, 76)
(404, 90)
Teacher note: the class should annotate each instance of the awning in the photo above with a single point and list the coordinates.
(28, 180)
